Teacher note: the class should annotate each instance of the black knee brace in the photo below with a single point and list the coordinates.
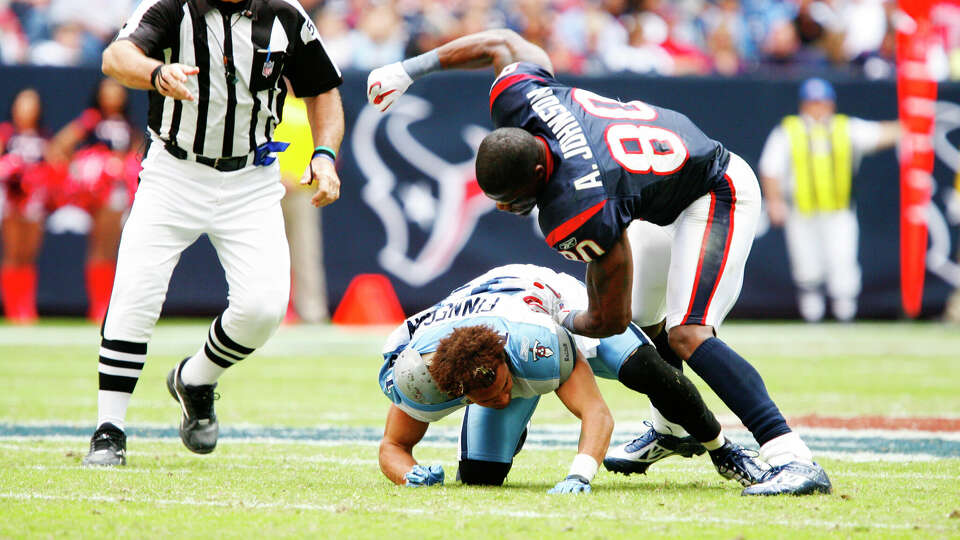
(663, 347)
(482, 473)
(672, 393)
(487, 473)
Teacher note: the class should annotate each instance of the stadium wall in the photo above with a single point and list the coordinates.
(410, 208)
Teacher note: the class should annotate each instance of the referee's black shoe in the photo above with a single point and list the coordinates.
(108, 447)
(198, 424)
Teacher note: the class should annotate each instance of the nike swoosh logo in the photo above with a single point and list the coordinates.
(378, 99)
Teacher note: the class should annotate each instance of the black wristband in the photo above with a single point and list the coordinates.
(153, 77)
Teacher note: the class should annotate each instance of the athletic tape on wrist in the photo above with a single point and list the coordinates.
(584, 466)
(418, 66)
(568, 320)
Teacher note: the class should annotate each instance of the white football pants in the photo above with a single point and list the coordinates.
(176, 202)
(691, 271)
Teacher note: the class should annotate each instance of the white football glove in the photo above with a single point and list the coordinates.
(386, 84)
(542, 298)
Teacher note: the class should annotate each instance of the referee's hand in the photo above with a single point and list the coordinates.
(323, 171)
(171, 78)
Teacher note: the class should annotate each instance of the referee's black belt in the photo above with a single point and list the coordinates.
(222, 164)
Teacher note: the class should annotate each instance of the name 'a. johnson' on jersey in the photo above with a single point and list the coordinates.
(610, 162)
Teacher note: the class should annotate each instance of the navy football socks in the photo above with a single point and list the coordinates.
(740, 387)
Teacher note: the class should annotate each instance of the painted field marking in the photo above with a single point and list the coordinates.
(893, 445)
(692, 465)
(463, 511)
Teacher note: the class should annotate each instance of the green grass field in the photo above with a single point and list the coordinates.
(300, 421)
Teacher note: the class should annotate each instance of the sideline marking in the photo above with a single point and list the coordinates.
(868, 445)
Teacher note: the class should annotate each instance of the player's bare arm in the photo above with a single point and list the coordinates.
(497, 48)
(579, 393)
(325, 114)
(582, 397)
(609, 284)
(131, 67)
(400, 435)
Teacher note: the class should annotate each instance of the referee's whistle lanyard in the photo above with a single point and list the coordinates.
(263, 155)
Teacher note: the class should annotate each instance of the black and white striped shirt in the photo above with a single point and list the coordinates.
(259, 41)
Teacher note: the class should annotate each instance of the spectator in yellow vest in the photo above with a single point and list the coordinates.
(806, 171)
(301, 219)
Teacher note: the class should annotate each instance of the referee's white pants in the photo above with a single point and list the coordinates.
(691, 271)
(823, 251)
(176, 202)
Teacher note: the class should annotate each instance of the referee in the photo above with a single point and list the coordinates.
(215, 71)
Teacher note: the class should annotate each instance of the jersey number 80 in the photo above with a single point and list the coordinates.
(583, 251)
(637, 147)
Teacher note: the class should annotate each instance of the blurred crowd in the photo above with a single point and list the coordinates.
(678, 37)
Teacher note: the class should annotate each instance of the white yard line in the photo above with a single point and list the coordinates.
(691, 466)
(462, 511)
(623, 430)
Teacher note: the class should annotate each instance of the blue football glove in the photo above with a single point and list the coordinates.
(572, 484)
(420, 476)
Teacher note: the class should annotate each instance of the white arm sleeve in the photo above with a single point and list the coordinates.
(864, 135)
(775, 157)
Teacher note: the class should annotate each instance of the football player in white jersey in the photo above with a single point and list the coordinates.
(494, 346)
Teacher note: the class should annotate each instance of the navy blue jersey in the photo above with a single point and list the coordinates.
(609, 163)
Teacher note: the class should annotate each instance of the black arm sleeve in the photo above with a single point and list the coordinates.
(311, 71)
(154, 26)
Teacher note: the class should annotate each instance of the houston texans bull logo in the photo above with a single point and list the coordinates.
(940, 252)
(441, 199)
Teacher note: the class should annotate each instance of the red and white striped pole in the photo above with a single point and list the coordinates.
(916, 97)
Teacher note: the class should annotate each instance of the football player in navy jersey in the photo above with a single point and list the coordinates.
(592, 165)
